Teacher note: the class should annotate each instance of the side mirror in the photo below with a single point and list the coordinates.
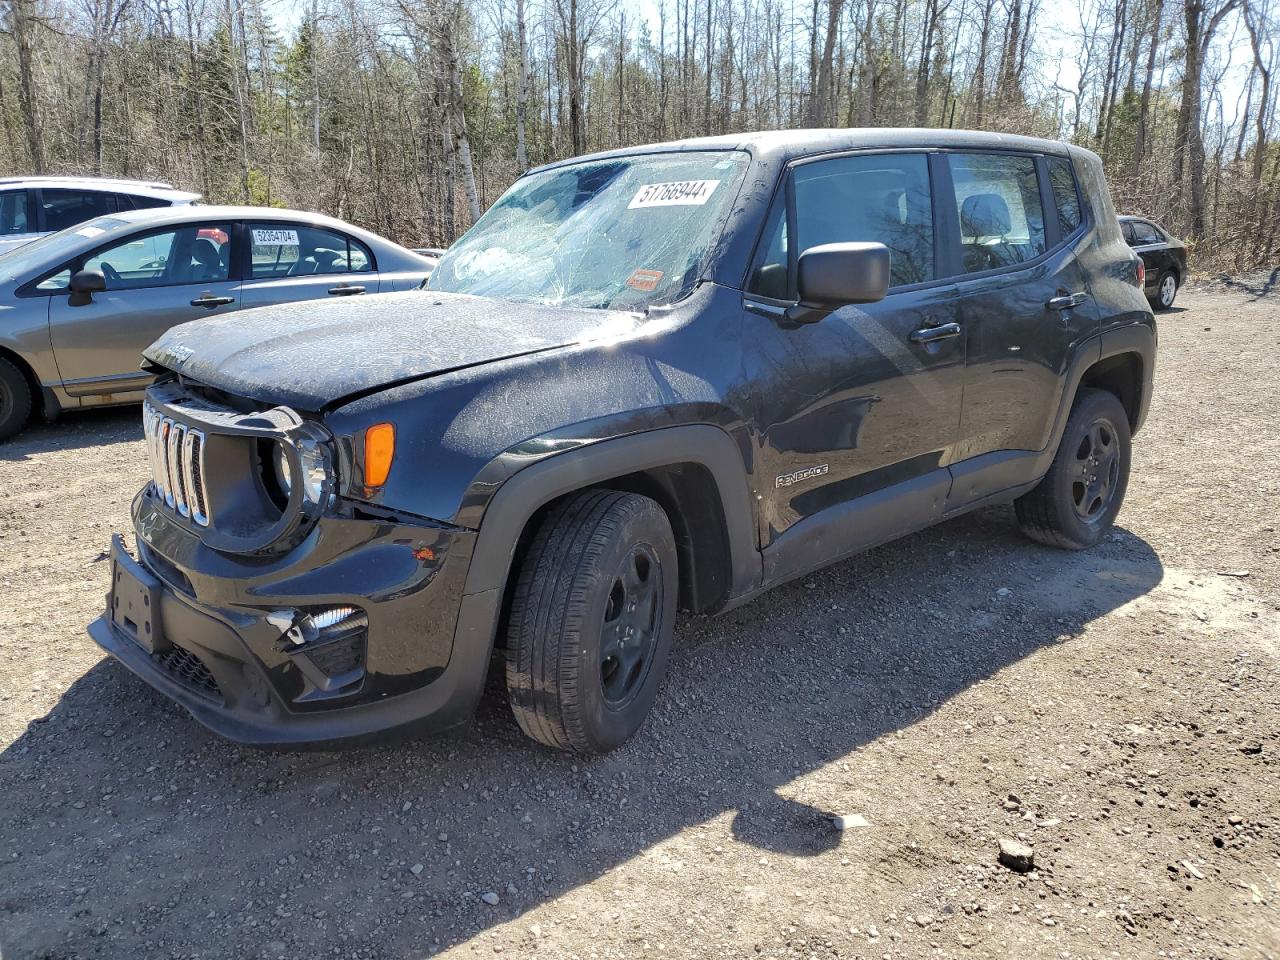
(84, 284)
(834, 274)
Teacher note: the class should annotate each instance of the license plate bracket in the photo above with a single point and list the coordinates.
(134, 601)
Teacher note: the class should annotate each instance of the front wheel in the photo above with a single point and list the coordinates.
(15, 399)
(1076, 503)
(591, 621)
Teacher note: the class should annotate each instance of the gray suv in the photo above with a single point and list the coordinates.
(78, 307)
(30, 207)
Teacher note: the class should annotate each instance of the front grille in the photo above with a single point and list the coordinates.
(189, 670)
(177, 464)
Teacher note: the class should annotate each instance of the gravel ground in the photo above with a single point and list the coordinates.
(1115, 710)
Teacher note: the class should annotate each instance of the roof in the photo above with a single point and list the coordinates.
(786, 145)
(161, 215)
(150, 188)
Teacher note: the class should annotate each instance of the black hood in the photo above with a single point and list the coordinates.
(311, 354)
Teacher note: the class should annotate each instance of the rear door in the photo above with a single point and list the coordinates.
(1015, 221)
(867, 398)
(1148, 243)
(290, 261)
(155, 279)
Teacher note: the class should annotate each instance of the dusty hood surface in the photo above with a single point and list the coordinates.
(312, 353)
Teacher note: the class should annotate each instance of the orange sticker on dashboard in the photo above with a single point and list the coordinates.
(645, 281)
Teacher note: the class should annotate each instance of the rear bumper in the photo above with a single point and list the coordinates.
(230, 667)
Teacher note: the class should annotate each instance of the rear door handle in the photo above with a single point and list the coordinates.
(210, 301)
(942, 331)
(1067, 301)
(345, 290)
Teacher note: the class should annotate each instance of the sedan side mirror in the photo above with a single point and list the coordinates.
(834, 274)
(84, 284)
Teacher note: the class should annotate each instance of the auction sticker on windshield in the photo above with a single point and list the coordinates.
(676, 193)
(271, 238)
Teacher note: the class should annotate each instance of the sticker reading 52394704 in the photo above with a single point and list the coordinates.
(676, 193)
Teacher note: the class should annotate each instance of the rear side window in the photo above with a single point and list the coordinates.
(66, 208)
(289, 250)
(1144, 233)
(1065, 197)
(883, 198)
(998, 203)
(15, 213)
(130, 201)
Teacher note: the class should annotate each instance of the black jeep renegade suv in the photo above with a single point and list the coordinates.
(669, 376)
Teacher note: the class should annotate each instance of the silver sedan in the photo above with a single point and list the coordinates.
(78, 307)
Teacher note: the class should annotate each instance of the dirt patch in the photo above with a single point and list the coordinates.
(1116, 710)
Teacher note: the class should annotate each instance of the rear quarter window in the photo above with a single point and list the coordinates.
(1065, 197)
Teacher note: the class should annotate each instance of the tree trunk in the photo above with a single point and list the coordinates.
(522, 88)
(1144, 106)
(22, 21)
(820, 104)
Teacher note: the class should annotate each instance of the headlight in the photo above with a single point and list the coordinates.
(315, 469)
(313, 460)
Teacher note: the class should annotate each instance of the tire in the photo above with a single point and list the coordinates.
(15, 399)
(1166, 290)
(1076, 502)
(591, 621)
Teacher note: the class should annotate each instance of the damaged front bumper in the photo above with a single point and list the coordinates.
(347, 637)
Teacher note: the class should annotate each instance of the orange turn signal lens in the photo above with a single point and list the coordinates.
(379, 450)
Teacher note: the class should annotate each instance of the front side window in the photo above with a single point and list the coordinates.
(883, 198)
(622, 233)
(66, 208)
(14, 213)
(290, 250)
(1065, 197)
(998, 203)
(196, 253)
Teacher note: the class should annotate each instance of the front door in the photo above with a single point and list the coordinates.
(866, 401)
(289, 261)
(155, 279)
(1024, 304)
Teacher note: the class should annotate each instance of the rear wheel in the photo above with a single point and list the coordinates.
(591, 621)
(1166, 290)
(1076, 503)
(15, 399)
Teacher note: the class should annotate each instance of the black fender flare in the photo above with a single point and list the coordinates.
(534, 486)
(1137, 337)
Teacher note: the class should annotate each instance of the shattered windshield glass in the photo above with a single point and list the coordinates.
(622, 233)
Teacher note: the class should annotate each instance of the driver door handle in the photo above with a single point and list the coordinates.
(1067, 301)
(210, 301)
(942, 331)
(345, 290)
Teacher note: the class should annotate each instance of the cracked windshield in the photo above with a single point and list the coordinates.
(624, 233)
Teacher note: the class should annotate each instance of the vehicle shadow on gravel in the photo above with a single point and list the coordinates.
(73, 431)
(389, 852)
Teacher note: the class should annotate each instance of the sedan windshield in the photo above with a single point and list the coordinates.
(623, 233)
(52, 250)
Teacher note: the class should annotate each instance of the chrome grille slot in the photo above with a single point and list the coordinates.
(176, 452)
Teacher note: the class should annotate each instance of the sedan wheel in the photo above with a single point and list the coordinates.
(1168, 290)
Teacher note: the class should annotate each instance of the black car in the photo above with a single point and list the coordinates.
(668, 376)
(1164, 258)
